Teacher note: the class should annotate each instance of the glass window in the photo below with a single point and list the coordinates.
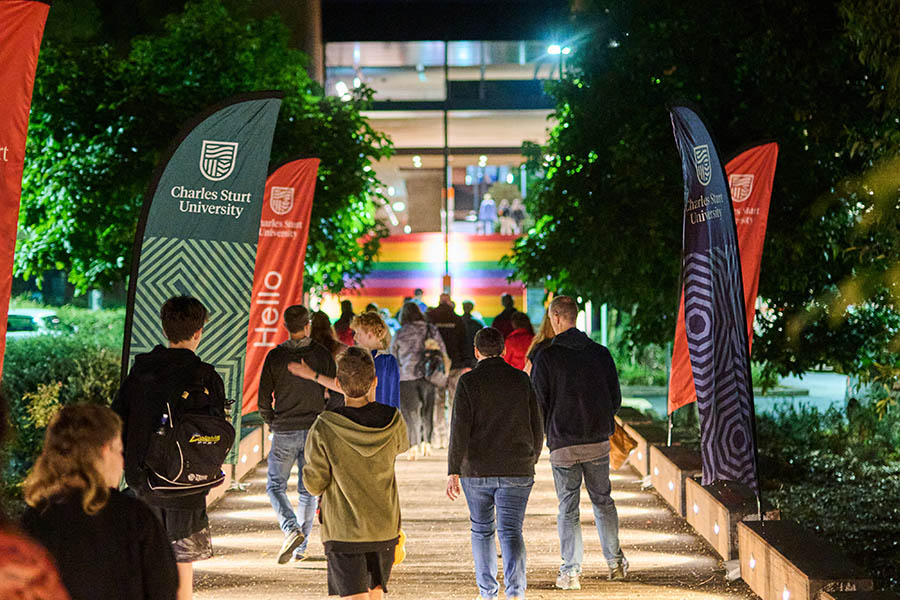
(402, 71)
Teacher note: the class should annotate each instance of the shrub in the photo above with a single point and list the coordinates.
(41, 373)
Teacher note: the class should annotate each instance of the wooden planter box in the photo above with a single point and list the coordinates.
(645, 434)
(669, 467)
(782, 561)
(250, 453)
(715, 510)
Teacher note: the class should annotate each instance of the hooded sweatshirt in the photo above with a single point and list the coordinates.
(351, 467)
(297, 401)
(577, 387)
(156, 377)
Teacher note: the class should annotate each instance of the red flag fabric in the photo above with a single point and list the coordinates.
(278, 276)
(21, 30)
(750, 176)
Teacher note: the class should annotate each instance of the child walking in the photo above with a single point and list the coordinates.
(350, 455)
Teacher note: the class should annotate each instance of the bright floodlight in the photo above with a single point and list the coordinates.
(341, 88)
(566, 50)
(554, 49)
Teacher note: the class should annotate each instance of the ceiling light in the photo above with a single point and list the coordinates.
(358, 82)
(407, 229)
(399, 206)
(391, 190)
(341, 88)
(509, 178)
(567, 50)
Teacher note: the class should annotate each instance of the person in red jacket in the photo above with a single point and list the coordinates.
(518, 340)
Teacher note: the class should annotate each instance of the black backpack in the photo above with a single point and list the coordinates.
(187, 450)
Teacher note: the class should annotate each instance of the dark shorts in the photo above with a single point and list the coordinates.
(357, 573)
(188, 530)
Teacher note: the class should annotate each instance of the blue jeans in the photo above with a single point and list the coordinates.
(568, 522)
(287, 448)
(509, 495)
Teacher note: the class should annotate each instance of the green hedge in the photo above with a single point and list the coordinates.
(44, 372)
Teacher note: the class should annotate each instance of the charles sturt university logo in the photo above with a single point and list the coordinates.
(703, 164)
(281, 200)
(741, 185)
(217, 159)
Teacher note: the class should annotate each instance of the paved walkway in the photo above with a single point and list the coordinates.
(668, 561)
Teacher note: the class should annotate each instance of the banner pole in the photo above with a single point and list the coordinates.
(669, 424)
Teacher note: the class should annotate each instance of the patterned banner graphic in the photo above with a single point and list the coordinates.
(198, 234)
(714, 311)
(21, 30)
(750, 176)
(280, 258)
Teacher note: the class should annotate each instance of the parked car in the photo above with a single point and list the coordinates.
(30, 322)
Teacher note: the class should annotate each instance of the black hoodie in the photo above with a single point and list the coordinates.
(156, 377)
(578, 389)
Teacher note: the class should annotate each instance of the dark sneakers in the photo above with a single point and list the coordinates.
(619, 572)
(291, 540)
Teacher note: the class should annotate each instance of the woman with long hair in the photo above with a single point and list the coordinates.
(321, 331)
(542, 339)
(106, 544)
(416, 392)
(26, 569)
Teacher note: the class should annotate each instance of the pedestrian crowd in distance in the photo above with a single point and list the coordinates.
(342, 407)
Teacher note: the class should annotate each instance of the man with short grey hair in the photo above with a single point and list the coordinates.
(577, 387)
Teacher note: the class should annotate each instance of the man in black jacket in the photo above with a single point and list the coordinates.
(495, 439)
(578, 389)
(297, 403)
(157, 377)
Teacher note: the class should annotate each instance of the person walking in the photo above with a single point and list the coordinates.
(503, 321)
(473, 324)
(518, 340)
(369, 331)
(158, 377)
(289, 405)
(541, 340)
(496, 437)
(350, 462)
(453, 332)
(487, 214)
(322, 332)
(105, 544)
(578, 390)
(342, 325)
(416, 392)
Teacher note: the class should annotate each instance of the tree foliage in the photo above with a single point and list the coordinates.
(609, 205)
(101, 121)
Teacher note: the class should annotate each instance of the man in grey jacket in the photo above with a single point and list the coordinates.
(290, 405)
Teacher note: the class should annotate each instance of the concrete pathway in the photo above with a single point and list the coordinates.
(668, 561)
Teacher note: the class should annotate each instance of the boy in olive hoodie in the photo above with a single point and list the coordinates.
(350, 455)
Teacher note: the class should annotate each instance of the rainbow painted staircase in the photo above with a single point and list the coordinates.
(407, 262)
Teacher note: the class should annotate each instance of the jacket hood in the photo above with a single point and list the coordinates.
(162, 358)
(573, 338)
(296, 344)
(366, 441)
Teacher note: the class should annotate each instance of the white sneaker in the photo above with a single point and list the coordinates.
(568, 581)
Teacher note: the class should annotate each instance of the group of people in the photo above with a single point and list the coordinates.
(511, 215)
(343, 412)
